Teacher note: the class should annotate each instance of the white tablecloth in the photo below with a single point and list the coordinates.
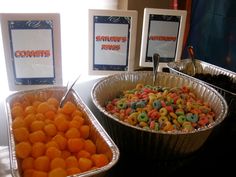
(4, 162)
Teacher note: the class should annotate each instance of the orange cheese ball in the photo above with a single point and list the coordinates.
(23, 149)
(73, 170)
(68, 107)
(37, 136)
(38, 149)
(99, 160)
(65, 154)
(72, 133)
(29, 119)
(61, 141)
(84, 164)
(40, 116)
(50, 114)
(39, 174)
(75, 144)
(83, 153)
(27, 163)
(53, 101)
(89, 146)
(57, 172)
(61, 123)
(18, 122)
(50, 129)
(37, 125)
(42, 163)
(53, 152)
(29, 110)
(84, 131)
(28, 173)
(43, 107)
(57, 162)
(17, 111)
(52, 143)
(71, 161)
(21, 134)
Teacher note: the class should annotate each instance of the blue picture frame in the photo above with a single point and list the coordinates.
(112, 35)
(32, 25)
(32, 49)
(162, 33)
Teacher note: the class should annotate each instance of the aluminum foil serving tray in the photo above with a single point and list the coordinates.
(104, 143)
(138, 142)
(180, 67)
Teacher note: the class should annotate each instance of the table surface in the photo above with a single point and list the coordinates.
(4, 162)
(216, 155)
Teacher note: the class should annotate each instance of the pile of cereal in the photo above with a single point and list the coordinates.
(161, 108)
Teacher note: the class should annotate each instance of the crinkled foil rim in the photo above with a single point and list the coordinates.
(100, 131)
(179, 67)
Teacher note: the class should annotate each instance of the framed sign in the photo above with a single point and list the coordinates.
(112, 36)
(162, 33)
(32, 50)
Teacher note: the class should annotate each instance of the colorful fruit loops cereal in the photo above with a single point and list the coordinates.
(161, 108)
(52, 141)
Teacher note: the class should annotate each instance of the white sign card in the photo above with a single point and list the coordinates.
(112, 36)
(163, 31)
(32, 49)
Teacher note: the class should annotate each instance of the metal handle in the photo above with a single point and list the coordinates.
(67, 91)
(192, 56)
(191, 53)
(155, 60)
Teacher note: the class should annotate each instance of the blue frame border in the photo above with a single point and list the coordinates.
(111, 20)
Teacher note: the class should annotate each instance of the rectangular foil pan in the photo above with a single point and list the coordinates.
(180, 67)
(155, 145)
(97, 133)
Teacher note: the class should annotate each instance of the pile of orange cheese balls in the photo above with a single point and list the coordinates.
(52, 141)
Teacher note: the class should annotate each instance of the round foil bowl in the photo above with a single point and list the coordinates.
(149, 144)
